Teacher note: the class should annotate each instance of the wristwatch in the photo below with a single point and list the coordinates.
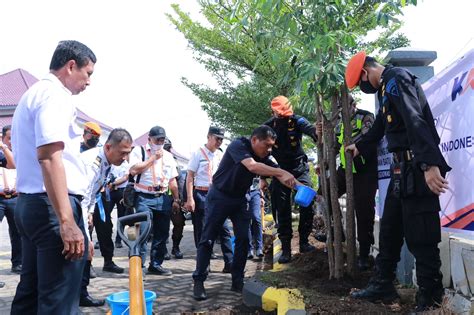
(425, 167)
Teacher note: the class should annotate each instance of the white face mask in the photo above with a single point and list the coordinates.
(155, 147)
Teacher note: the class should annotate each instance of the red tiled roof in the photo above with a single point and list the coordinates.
(13, 84)
(5, 120)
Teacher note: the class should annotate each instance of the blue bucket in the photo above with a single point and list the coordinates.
(304, 195)
(119, 303)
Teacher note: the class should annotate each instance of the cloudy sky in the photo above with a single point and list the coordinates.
(141, 57)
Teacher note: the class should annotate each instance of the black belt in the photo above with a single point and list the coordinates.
(158, 194)
(7, 196)
(80, 197)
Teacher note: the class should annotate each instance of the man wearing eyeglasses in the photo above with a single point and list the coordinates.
(91, 136)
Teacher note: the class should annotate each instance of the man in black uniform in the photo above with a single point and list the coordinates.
(226, 198)
(177, 216)
(417, 179)
(365, 180)
(289, 154)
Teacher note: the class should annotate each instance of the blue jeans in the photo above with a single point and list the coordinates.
(160, 207)
(255, 230)
(49, 284)
(220, 207)
(198, 223)
(7, 209)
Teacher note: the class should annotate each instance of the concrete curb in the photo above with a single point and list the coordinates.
(284, 301)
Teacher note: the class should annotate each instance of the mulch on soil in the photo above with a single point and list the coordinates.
(310, 274)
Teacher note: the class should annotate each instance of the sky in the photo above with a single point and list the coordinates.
(141, 56)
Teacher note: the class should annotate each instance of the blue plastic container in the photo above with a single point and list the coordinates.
(119, 303)
(304, 195)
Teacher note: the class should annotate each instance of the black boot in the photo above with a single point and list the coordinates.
(377, 291)
(428, 299)
(175, 250)
(306, 248)
(199, 293)
(285, 251)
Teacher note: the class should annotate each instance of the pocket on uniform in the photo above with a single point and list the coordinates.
(413, 181)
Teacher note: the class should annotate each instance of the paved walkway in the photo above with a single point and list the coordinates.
(174, 292)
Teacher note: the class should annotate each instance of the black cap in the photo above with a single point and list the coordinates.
(157, 132)
(216, 131)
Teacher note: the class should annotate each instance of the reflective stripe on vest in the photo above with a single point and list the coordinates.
(355, 132)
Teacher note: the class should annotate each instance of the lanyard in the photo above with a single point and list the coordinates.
(209, 165)
(153, 171)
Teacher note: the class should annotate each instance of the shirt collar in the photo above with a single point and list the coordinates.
(51, 77)
(101, 154)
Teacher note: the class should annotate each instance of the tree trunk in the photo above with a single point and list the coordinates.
(325, 191)
(350, 216)
(336, 210)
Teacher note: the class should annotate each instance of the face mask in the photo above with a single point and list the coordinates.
(155, 147)
(92, 142)
(367, 87)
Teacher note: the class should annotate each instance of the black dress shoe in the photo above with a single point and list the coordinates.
(377, 291)
(227, 268)
(92, 273)
(259, 253)
(306, 248)
(199, 293)
(250, 254)
(16, 269)
(96, 245)
(112, 267)
(118, 245)
(167, 256)
(90, 301)
(177, 253)
(159, 270)
(237, 286)
(213, 256)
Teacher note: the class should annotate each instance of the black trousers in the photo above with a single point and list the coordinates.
(7, 209)
(115, 197)
(178, 219)
(417, 220)
(365, 188)
(221, 206)
(104, 230)
(281, 195)
(49, 284)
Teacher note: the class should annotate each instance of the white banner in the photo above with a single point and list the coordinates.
(451, 97)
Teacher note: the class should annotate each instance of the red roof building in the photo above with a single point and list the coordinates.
(14, 84)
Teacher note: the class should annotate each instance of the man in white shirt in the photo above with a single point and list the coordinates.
(201, 167)
(118, 179)
(8, 197)
(157, 192)
(51, 181)
(98, 162)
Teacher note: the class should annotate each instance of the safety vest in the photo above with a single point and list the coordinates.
(356, 130)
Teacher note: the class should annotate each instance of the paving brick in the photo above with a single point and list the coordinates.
(174, 292)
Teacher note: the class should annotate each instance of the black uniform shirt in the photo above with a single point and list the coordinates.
(232, 177)
(405, 118)
(288, 147)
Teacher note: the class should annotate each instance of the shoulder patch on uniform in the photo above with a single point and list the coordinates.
(392, 88)
(97, 161)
